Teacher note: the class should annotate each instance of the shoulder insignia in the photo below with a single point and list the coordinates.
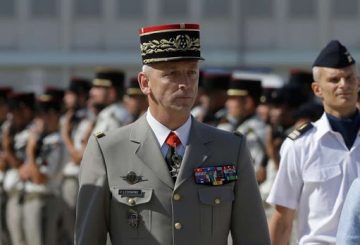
(296, 133)
(237, 133)
(99, 134)
(249, 131)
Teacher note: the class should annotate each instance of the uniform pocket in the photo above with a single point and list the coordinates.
(131, 212)
(215, 209)
(322, 186)
(322, 174)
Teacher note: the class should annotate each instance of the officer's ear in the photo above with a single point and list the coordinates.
(316, 89)
(143, 81)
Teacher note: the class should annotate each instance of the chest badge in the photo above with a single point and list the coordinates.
(215, 175)
(133, 218)
(132, 178)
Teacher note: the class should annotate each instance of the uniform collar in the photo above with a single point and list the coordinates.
(161, 132)
(323, 127)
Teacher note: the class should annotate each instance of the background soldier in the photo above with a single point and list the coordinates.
(74, 126)
(4, 123)
(243, 99)
(42, 175)
(106, 95)
(135, 101)
(14, 142)
(211, 109)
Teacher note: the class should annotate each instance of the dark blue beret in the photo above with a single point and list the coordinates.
(334, 55)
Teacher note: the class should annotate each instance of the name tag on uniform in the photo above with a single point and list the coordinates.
(131, 193)
(216, 175)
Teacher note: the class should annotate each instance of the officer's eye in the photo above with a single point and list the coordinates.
(192, 72)
(169, 73)
(334, 80)
(350, 78)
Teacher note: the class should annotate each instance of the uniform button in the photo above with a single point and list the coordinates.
(178, 226)
(131, 201)
(217, 201)
(177, 197)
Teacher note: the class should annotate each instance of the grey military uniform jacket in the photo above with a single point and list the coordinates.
(169, 213)
(112, 117)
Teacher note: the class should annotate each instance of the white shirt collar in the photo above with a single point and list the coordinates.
(161, 132)
(322, 127)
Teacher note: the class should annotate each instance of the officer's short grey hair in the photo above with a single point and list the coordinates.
(316, 72)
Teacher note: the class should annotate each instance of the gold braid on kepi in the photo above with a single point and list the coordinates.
(170, 42)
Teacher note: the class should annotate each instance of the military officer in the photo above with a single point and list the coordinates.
(106, 94)
(167, 178)
(41, 174)
(319, 161)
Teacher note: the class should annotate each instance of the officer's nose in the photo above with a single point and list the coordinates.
(184, 82)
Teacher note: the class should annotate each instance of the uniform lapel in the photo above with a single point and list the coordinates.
(149, 151)
(196, 152)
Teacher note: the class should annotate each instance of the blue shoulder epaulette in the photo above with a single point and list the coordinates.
(296, 133)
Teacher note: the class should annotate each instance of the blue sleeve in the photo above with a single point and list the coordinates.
(349, 225)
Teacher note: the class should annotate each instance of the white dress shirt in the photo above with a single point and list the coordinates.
(161, 132)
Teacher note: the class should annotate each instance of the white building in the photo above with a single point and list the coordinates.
(44, 42)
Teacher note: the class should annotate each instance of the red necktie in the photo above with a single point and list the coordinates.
(173, 140)
(172, 159)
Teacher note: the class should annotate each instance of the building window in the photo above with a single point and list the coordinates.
(87, 8)
(131, 9)
(258, 8)
(173, 8)
(345, 10)
(44, 8)
(216, 8)
(302, 9)
(7, 8)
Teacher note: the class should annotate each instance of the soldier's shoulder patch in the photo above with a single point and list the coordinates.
(237, 133)
(99, 134)
(296, 133)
